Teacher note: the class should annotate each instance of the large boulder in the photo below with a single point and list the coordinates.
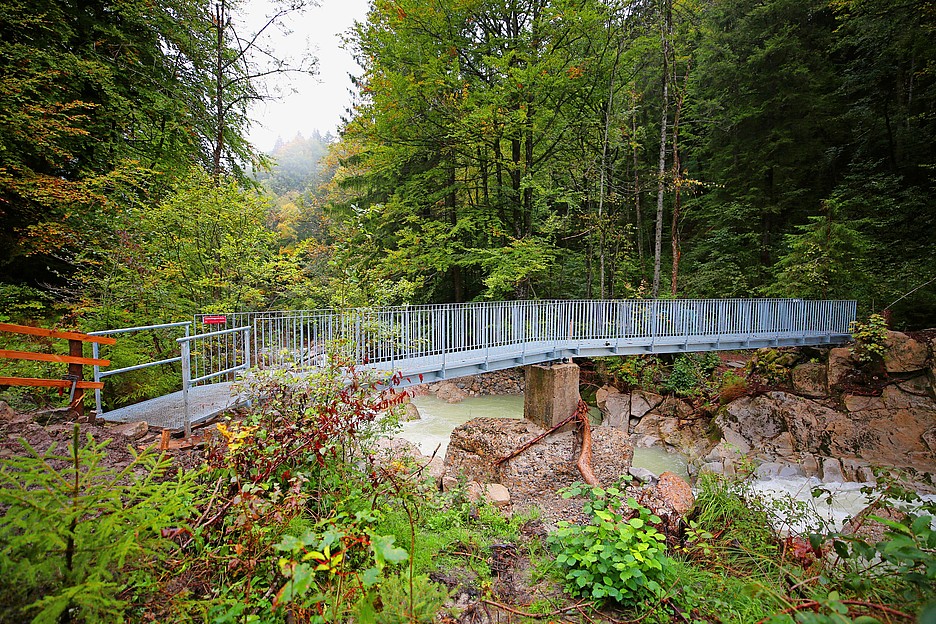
(616, 411)
(542, 469)
(810, 380)
(670, 498)
(622, 410)
(688, 436)
(904, 354)
(449, 392)
(841, 363)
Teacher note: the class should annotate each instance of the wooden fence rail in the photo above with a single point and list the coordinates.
(74, 379)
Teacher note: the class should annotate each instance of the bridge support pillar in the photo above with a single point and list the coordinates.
(551, 393)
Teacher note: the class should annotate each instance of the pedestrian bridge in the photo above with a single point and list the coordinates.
(434, 342)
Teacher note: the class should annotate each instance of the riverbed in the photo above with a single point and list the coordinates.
(439, 418)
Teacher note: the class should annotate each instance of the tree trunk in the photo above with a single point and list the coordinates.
(219, 23)
(661, 171)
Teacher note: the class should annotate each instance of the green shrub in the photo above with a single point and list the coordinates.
(870, 339)
(618, 556)
(691, 374)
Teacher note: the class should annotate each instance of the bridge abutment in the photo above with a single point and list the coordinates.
(551, 393)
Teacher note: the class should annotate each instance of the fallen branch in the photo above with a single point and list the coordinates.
(527, 445)
(584, 460)
(537, 616)
(813, 604)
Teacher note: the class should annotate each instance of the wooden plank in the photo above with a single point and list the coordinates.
(50, 383)
(51, 357)
(51, 333)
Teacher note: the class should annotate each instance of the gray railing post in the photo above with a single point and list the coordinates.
(186, 380)
(247, 348)
(98, 403)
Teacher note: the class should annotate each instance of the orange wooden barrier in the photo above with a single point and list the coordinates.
(75, 360)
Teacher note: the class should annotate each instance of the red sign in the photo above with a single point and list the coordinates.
(216, 319)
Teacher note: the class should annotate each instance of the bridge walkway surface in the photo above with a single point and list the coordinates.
(434, 342)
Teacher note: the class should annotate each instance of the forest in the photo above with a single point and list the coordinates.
(495, 149)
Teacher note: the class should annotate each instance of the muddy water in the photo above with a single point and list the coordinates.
(440, 418)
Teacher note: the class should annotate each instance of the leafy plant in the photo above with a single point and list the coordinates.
(74, 529)
(618, 556)
(691, 373)
(636, 371)
(870, 339)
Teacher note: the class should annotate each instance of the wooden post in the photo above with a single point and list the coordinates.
(76, 371)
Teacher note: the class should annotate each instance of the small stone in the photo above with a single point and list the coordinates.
(789, 470)
(768, 470)
(497, 494)
(435, 469)
(132, 430)
(6, 412)
(810, 466)
(449, 483)
(474, 491)
(642, 474)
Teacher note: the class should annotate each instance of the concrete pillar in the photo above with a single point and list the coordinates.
(551, 393)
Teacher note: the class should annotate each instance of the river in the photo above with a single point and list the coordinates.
(440, 418)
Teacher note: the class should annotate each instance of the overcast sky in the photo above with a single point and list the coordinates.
(309, 103)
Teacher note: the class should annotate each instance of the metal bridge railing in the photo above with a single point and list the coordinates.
(447, 333)
(101, 374)
(221, 347)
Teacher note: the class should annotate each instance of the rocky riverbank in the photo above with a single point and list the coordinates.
(494, 383)
(823, 415)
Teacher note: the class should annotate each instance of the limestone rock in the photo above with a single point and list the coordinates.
(904, 354)
(642, 402)
(832, 470)
(602, 394)
(132, 430)
(450, 393)
(642, 474)
(841, 363)
(809, 380)
(410, 412)
(497, 494)
(435, 469)
(674, 408)
(389, 450)
(544, 468)
(617, 411)
(675, 493)
(885, 430)
(670, 498)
